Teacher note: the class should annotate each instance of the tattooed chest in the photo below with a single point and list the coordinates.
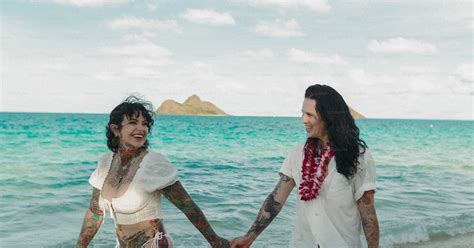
(116, 184)
(123, 170)
(119, 177)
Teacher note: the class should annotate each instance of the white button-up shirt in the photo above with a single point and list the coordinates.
(332, 219)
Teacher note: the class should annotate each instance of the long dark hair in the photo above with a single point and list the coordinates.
(131, 107)
(340, 126)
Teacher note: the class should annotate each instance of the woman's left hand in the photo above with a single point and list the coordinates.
(221, 243)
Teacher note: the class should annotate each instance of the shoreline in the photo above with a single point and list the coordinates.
(458, 241)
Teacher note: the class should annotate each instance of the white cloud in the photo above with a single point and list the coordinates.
(279, 28)
(301, 56)
(260, 54)
(313, 5)
(54, 64)
(147, 49)
(141, 61)
(462, 79)
(465, 73)
(401, 45)
(138, 37)
(417, 69)
(142, 23)
(90, 3)
(151, 7)
(208, 17)
(202, 65)
(106, 76)
(415, 80)
(152, 61)
(142, 54)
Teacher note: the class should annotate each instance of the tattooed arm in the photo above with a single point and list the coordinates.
(369, 218)
(92, 221)
(177, 195)
(269, 210)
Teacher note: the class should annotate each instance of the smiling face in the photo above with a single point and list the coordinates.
(133, 132)
(314, 125)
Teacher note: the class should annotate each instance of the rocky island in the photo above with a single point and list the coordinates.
(356, 114)
(192, 106)
(195, 106)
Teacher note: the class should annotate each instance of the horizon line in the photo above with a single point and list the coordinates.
(267, 116)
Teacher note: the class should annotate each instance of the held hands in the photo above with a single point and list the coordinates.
(242, 242)
(221, 243)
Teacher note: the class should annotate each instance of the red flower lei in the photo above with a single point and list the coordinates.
(314, 169)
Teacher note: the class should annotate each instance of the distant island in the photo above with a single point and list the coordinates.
(195, 106)
(192, 106)
(356, 114)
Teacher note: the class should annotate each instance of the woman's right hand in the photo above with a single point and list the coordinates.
(242, 242)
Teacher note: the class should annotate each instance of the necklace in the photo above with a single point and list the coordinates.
(314, 169)
(121, 172)
(125, 158)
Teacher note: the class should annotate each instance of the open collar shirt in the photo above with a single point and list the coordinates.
(332, 219)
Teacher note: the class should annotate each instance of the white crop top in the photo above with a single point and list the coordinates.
(141, 201)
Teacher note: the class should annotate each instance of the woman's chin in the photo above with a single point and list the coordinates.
(135, 145)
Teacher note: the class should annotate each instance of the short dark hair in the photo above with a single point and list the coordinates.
(340, 126)
(131, 107)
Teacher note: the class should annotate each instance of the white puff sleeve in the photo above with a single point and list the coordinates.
(158, 173)
(98, 176)
(364, 180)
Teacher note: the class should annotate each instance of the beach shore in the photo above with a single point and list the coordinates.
(458, 241)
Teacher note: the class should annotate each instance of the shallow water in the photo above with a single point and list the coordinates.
(425, 173)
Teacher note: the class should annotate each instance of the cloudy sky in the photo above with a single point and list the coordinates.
(389, 59)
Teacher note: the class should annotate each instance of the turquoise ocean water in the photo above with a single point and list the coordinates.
(425, 173)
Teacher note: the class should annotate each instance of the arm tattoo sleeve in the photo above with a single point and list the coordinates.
(369, 219)
(269, 210)
(92, 221)
(177, 195)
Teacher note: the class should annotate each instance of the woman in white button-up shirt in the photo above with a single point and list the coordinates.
(335, 175)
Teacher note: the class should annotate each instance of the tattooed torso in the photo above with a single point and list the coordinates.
(142, 233)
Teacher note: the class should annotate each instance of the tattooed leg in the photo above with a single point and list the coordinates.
(369, 218)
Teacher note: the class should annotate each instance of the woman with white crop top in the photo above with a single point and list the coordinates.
(129, 181)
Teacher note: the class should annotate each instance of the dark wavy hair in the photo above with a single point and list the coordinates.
(131, 107)
(340, 126)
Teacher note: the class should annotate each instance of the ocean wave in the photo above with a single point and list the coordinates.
(426, 229)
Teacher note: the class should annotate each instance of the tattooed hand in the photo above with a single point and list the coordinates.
(242, 242)
(221, 242)
(369, 218)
